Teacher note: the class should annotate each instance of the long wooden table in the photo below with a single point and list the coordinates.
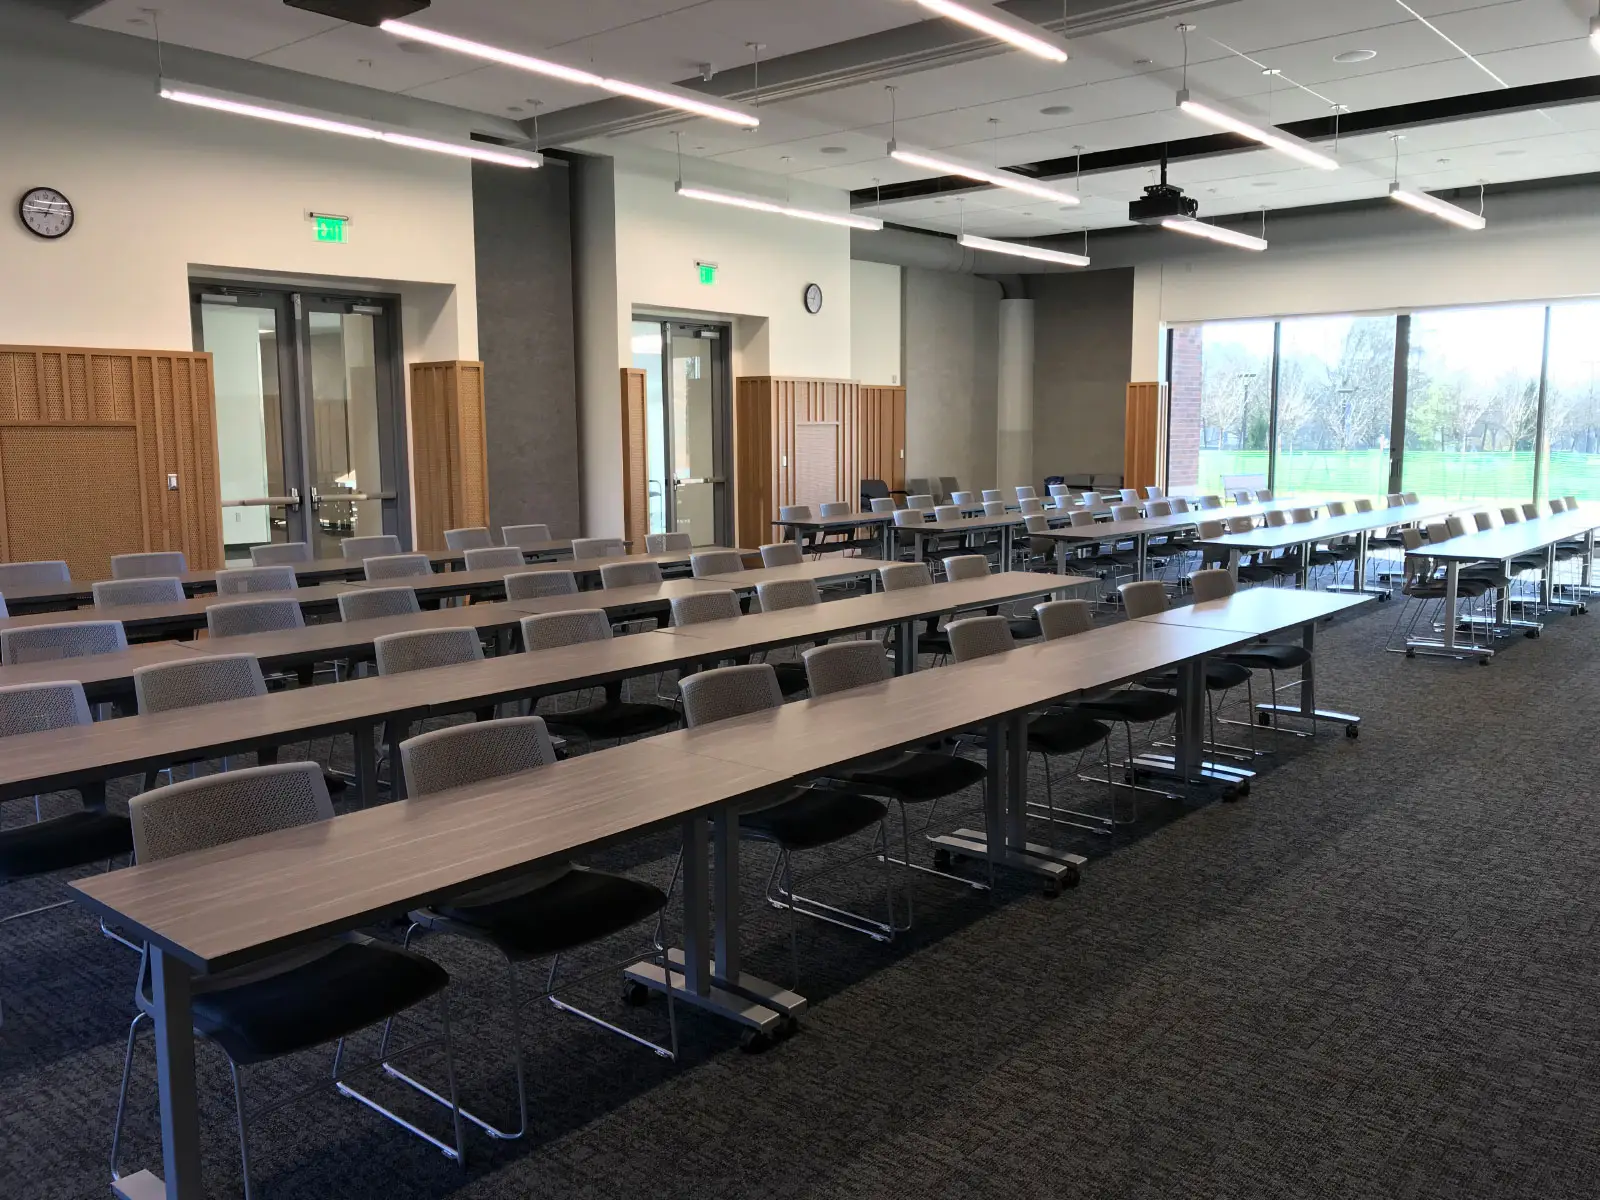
(883, 523)
(181, 615)
(1357, 525)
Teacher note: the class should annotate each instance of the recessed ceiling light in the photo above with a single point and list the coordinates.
(1355, 56)
(137, 21)
(1056, 110)
(513, 108)
(1263, 183)
(1141, 62)
(1509, 153)
(832, 150)
(1066, 208)
(938, 201)
(412, 48)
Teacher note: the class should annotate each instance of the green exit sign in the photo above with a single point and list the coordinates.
(708, 272)
(330, 229)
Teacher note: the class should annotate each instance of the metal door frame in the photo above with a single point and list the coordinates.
(721, 417)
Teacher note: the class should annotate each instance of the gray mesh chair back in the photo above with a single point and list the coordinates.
(1338, 508)
(924, 502)
(908, 518)
(1026, 493)
(214, 810)
(1241, 524)
(1438, 532)
(1064, 618)
(359, 549)
(366, 604)
(468, 754)
(1531, 511)
(75, 639)
(1124, 512)
(835, 508)
(666, 543)
(4, 611)
(34, 707)
(473, 538)
(795, 512)
(1364, 505)
(726, 692)
(899, 576)
(504, 557)
(1456, 525)
(1144, 599)
(143, 566)
(1301, 515)
(1264, 494)
(1394, 500)
(1277, 518)
(524, 535)
(1484, 521)
(716, 562)
(782, 554)
(549, 631)
(947, 512)
(1081, 519)
(207, 679)
(699, 607)
(1159, 508)
(277, 554)
(787, 593)
(1210, 501)
(631, 574)
(992, 494)
(33, 574)
(1558, 505)
(840, 666)
(963, 499)
(979, 637)
(118, 593)
(424, 649)
(533, 585)
(1409, 497)
(254, 616)
(1511, 516)
(243, 580)
(883, 504)
(598, 548)
(1030, 504)
(396, 566)
(966, 566)
(1130, 495)
(1212, 585)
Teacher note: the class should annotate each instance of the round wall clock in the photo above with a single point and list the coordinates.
(813, 298)
(46, 212)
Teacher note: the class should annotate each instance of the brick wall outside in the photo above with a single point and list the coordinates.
(1183, 445)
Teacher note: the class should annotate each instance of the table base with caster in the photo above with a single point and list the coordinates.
(1351, 722)
(1227, 776)
(1057, 868)
(752, 1003)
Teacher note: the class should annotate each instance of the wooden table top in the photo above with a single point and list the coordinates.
(182, 613)
(98, 670)
(1261, 610)
(1511, 541)
(848, 521)
(341, 639)
(1282, 536)
(261, 895)
(672, 558)
(1110, 531)
(821, 570)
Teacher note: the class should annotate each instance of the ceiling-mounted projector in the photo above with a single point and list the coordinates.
(1162, 201)
(362, 12)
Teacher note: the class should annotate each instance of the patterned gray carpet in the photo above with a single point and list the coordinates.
(1372, 978)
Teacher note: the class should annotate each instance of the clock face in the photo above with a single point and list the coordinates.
(813, 298)
(46, 212)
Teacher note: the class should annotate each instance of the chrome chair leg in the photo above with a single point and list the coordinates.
(122, 1093)
(244, 1131)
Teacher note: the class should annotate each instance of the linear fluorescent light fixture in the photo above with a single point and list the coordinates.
(1003, 27)
(756, 204)
(1594, 33)
(664, 94)
(1436, 207)
(1213, 113)
(973, 242)
(1215, 233)
(994, 176)
(310, 118)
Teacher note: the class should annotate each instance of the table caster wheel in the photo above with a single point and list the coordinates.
(1411, 653)
(757, 1042)
(1230, 794)
(1244, 788)
(635, 995)
(1263, 719)
(1052, 889)
(1352, 731)
(1483, 662)
(941, 860)
(1072, 878)
(1581, 611)
(1382, 596)
(1532, 635)
(786, 1029)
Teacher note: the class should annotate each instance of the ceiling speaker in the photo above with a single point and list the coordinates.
(361, 12)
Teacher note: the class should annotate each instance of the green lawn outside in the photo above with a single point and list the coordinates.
(1494, 475)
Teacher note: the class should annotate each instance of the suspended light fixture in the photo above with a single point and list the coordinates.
(1215, 114)
(309, 118)
(1421, 201)
(1215, 233)
(664, 94)
(1594, 33)
(994, 176)
(756, 204)
(974, 242)
(1003, 27)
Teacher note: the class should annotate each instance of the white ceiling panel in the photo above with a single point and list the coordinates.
(237, 28)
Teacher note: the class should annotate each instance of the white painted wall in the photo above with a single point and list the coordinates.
(1014, 397)
(877, 335)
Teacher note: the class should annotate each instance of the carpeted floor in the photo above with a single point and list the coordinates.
(1374, 977)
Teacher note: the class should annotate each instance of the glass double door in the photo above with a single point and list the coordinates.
(688, 427)
(310, 428)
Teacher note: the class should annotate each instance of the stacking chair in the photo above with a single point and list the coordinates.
(200, 680)
(1129, 496)
(396, 566)
(1052, 734)
(908, 518)
(716, 562)
(883, 504)
(899, 576)
(630, 574)
(844, 540)
(1263, 494)
(976, 566)
(317, 994)
(359, 549)
(696, 608)
(1030, 505)
(1264, 655)
(1210, 501)
(33, 574)
(1423, 583)
(963, 499)
(85, 836)
(524, 535)
(598, 548)
(504, 557)
(1058, 491)
(144, 566)
(615, 718)
(925, 503)
(1092, 501)
(992, 495)
(534, 585)
(801, 819)
(1409, 498)
(1026, 493)
(994, 508)
(277, 554)
(71, 639)
(239, 617)
(476, 538)
(123, 593)
(798, 512)
(546, 912)
(422, 650)
(666, 543)
(947, 488)
(779, 595)
(366, 604)
(244, 580)
(781, 554)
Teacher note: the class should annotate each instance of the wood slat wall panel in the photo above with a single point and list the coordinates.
(883, 435)
(112, 424)
(1141, 448)
(635, 467)
(449, 452)
(769, 452)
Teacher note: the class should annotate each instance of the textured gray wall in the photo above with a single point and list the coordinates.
(525, 337)
(1083, 350)
(952, 331)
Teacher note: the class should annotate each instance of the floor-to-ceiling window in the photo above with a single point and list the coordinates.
(1335, 400)
(1235, 401)
(1572, 405)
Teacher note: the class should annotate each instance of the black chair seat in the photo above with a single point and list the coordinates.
(1023, 628)
(1220, 676)
(915, 776)
(580, 907)
(621, 720)
(75, 840)
(813, 817)
(1136, 705)
(1065, 733)
(356, 984)
(1270, 656)
(1254, 574)
(791, 678)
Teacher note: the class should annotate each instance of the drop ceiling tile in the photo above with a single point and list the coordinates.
(367, 57)
(239, 28)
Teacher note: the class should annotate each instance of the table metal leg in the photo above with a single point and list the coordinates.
(888, 542)
(366, 764)
(180, 1108)
(1307, 707)
(1358, 577)
(1447, 645)
(1141, 550)
(1188, 763)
